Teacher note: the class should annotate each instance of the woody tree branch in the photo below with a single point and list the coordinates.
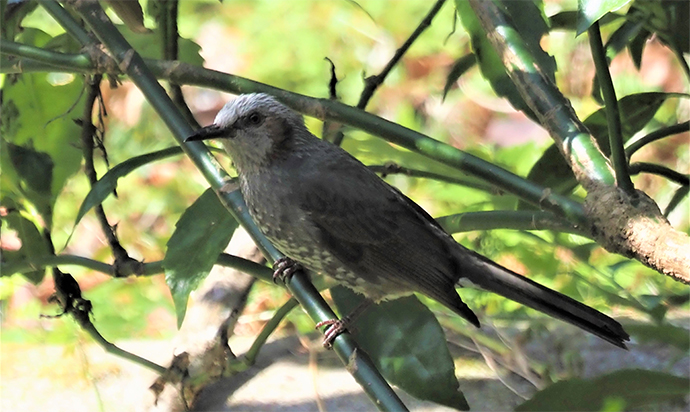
(629, 224)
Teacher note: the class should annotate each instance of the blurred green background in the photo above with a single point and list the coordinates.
(284, 44)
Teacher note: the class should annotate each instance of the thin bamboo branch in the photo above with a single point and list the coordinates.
(130, 62)
(613, 118)
(656, 135)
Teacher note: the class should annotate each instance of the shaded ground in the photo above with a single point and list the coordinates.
(287, 378)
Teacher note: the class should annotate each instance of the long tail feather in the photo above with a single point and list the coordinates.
(494, 278)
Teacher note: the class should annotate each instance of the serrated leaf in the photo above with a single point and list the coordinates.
(636, 387)
(527, 25)
(459, 68)
(589, 11)
(407, 344)
(108, 183)
(201, 234)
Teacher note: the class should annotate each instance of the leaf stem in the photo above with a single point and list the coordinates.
(670, 174)
(656, 135)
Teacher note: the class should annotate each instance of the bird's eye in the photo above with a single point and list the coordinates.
(255, 119)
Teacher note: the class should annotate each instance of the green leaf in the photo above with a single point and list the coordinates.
(35, 168)
(668, 19)
(148, 46)
(636, 111)
(527, 22)
(459, 68)
(37, 115)
(108, 183)
(567, 20)
(552, 171)
(12, 21)
(589, 11)
(622, 38)
(668, 334)
(201, 234)
(130, 13)
(636, 47)
(636, 387)
(408, 345)
(33, 244)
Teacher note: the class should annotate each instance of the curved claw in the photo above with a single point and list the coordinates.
(284, 268)
(335, 328)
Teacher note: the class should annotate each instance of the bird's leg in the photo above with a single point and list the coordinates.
(284, 268)
(338, 326)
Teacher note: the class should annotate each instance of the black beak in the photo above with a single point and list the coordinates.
(209, 132)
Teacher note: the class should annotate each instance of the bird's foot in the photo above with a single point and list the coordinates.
(284, 268)
(335, 328)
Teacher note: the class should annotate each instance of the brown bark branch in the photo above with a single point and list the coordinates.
(629, 225)
(633, 226)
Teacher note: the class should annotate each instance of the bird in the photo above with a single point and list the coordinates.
(329, 213)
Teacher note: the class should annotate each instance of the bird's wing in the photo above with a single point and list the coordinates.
(378, 233)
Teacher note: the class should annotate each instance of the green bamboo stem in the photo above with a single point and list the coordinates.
(150, 268)
(552, 109)
(618, 157)
(182, 73)
(267, 330)
(115, 350)
(65, 20)
(391, 169)
(131, 63)
(64, 61)
(507, 219)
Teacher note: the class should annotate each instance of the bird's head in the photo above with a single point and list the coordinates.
(254, 129)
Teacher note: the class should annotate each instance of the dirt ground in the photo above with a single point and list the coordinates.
(287, 377)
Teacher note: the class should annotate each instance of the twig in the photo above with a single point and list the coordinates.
(656, 135)
(618, 158)
(508, 219)
(68, 295)
(150, 268)
(670, 174)
(491, 363)
(124, 265)
(332, 131)
(170, 43)
(372, 83)
(267, 330)
(393, 168)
